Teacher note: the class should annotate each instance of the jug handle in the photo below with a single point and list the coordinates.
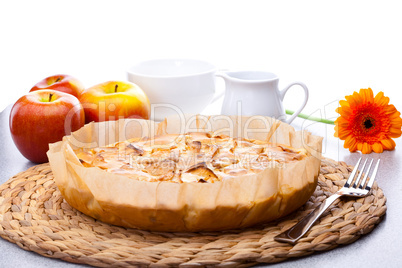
(218, 95)
(297, 112)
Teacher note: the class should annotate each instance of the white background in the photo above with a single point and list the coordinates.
(334, 47)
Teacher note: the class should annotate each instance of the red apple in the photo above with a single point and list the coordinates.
(113, 100)
(42, 117)
(61, 82)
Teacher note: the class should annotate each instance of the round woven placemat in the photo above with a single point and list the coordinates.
(34, 215)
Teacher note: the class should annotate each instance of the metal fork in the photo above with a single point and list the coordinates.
(353, 187)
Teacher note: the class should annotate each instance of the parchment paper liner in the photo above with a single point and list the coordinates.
(165, 206)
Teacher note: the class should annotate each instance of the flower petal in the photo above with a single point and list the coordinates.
(367, 94)
(359, 146)
(395, 132)
(351, 100)
(389, 109)
(377, 147)
(343, 133)
(395, 114)
(342, 123)
(350, 142)
(366, 149)
(344, 111)
(353, 147)
(381, 99)
(396, 122)
(388, 144)
(358, 99)
(344, 103)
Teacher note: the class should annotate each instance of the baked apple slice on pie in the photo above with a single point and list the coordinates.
(192, 157)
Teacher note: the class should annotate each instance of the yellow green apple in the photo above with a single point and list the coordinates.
(114, 100)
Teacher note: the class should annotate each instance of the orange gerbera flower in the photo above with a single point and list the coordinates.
(367, 123)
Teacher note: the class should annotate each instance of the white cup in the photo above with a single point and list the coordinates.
(175, 85)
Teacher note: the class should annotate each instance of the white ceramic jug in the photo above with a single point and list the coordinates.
(256, 93)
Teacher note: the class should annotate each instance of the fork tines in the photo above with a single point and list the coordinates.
(359, 181)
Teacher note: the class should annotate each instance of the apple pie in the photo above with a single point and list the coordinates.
(165, 177)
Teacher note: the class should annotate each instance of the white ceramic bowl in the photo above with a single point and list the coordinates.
(175, 86)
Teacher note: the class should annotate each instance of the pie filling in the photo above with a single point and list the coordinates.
(193, 157)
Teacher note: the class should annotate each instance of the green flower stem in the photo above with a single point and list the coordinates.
(312, 118)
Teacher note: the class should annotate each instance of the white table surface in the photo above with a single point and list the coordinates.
(380, 248)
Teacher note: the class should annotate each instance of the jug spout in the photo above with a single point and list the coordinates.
(222, 74)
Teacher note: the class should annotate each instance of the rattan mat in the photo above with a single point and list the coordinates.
(34, 215)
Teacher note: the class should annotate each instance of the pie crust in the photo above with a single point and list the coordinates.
(201, 181)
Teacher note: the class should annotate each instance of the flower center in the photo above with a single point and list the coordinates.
(368, 123)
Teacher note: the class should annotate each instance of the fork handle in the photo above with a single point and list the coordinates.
(300, 228)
